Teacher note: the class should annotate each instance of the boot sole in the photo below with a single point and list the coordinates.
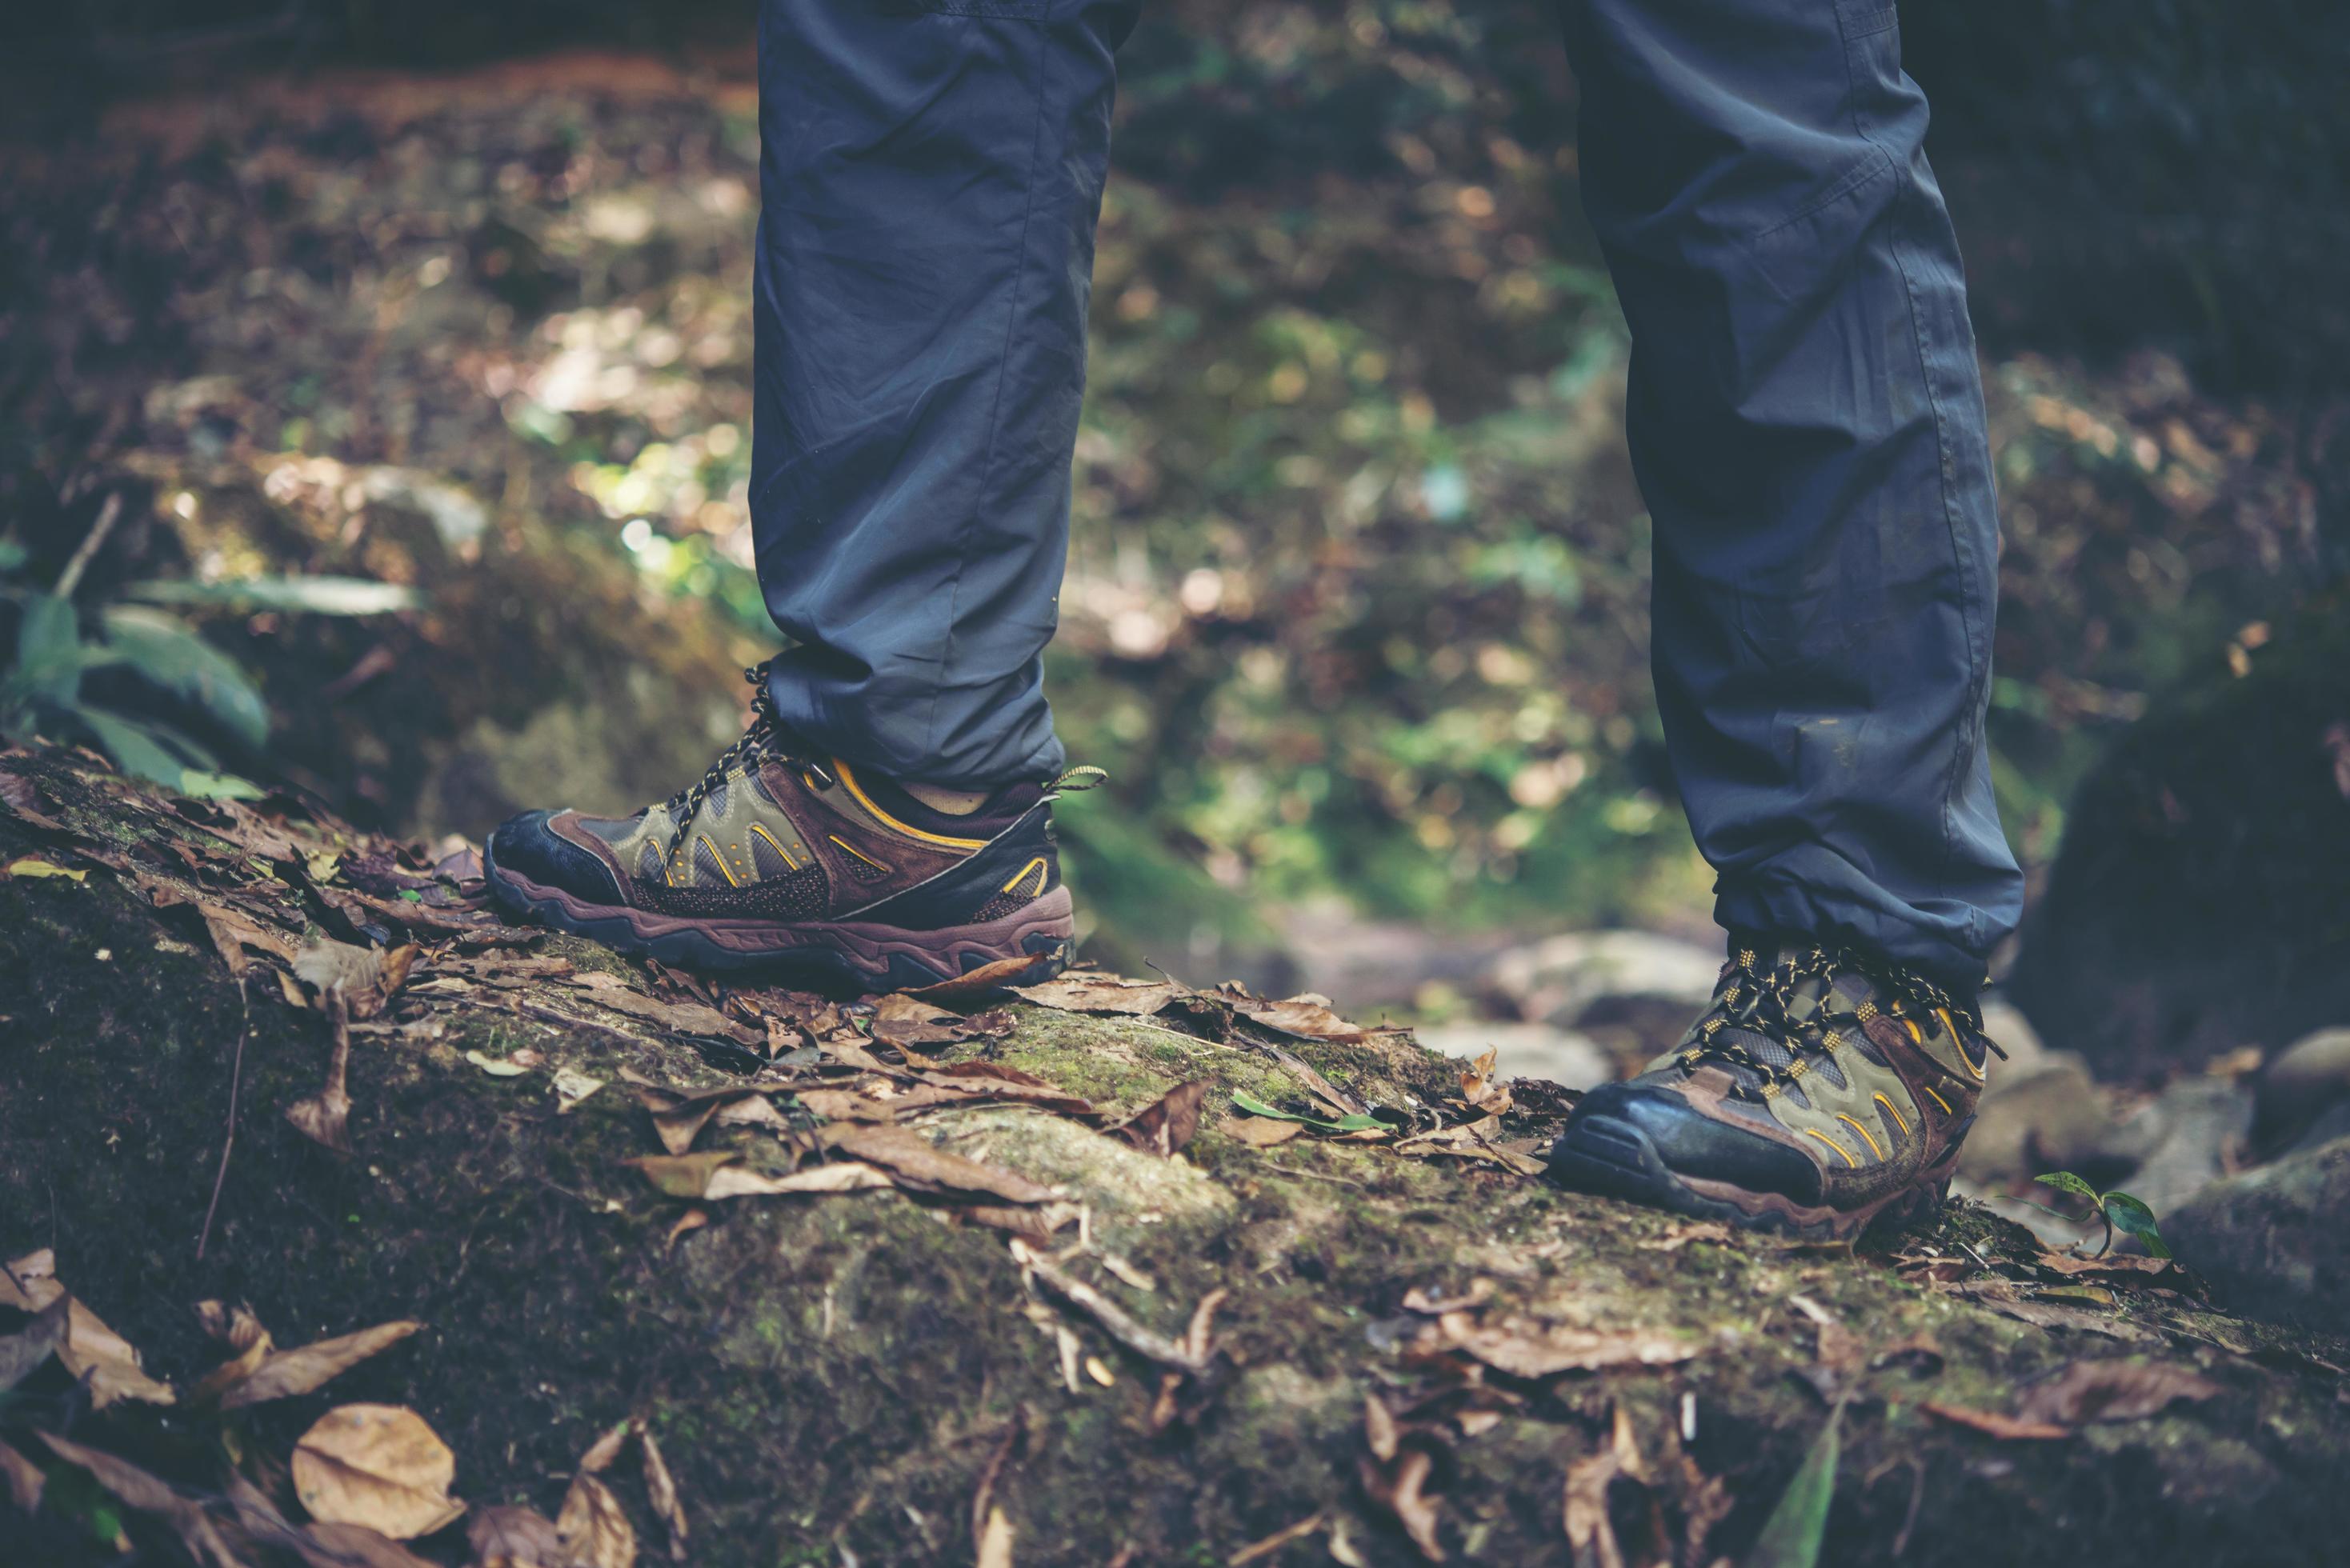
(1611, 1158)
(848, 957)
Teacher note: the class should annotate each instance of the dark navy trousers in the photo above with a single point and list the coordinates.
(1806, 418)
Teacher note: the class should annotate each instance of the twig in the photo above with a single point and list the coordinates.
(1144, 1340)
(70, 578)
(235, 1076)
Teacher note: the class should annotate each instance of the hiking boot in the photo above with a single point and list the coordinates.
(1820, 1091)
(794, 864)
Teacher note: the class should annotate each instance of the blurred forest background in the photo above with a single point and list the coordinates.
(452, 299)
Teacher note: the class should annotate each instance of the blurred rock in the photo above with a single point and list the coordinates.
(2180, 1142)
(2013, 1033)
(2048, 1116)
(1526, 1051)
(2276, 1243)
(1559, 979)
(2301, 1093)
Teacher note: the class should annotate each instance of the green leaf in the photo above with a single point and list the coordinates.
(138, 748)
(50, 654)
(1356, 1123)
(2065, 1181)
(1792, 1535)
(208, 785)
(2130, 1214)
(317, 595)
(166, 652)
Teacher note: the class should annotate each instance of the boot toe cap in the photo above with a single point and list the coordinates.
(528, 847)
(1652, 1130)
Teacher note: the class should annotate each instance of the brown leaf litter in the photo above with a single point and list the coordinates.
(378, 1466)
(90, 1350)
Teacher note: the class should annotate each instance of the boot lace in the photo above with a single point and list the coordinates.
(765, 738)
(1760, 1002)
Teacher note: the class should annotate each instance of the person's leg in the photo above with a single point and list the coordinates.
(1806, 423)
(930, 177)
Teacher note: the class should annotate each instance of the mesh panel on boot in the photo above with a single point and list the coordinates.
(795, 895)
(765, 861)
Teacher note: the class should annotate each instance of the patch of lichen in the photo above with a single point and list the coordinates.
(834, 1373)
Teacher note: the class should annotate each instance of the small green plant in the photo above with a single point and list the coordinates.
(59, 642)
(2119, 1210)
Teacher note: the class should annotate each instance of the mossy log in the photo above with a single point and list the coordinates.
(834, 1378)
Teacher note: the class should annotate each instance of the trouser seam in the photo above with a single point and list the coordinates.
(1003, 375)
(1978, 667)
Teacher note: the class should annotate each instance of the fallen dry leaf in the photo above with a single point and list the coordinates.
(661, 1486)
(1166, 1123)
(606, 1448)
(1588, 1528)
(324, 1544)
(23, 799)
(1525, 1349)
(24, 1350)
(987, 980)
(1478, 1088)
(572, 1087)
(1994, 1424)
(289, 1372)
(2113, 1390)
(2117, 1268)
(1101, 993)
(840, 1176)
(680, 1115)
(996, 1540)
(376, 1465)
(683, 1175)
(1258, 1550)
(714, 1174)
(1681, 1232)
(25, 1481)
(197, 1531)
(593, 1530)
(1395, 1475)
(233, 1371)
(365, 978)
(1262, 1131)
(232, 932)
(324, 1118)
(1307, 1016)
(918, 1164)
(511, 1536)
(497, 1067)
(92, 1352)
(234, 1327)
(1472, 1140)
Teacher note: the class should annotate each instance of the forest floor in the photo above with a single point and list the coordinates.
(1092, 1271)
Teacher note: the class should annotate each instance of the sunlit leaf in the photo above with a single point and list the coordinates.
(138, 748)
(1791, 1537)
(206, 784)
(2065, 1181)
(2132, 1216)
(1355, 1123)
(317, 595)
(164, 650)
